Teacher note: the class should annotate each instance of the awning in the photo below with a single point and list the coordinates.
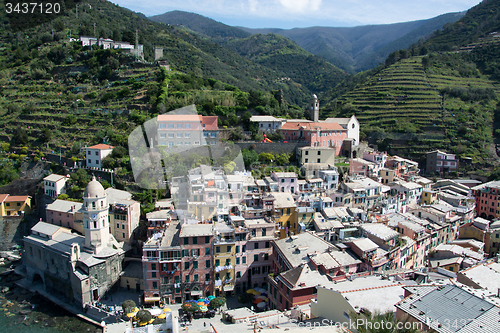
(196, 292)
(229, 287)
(151, 299)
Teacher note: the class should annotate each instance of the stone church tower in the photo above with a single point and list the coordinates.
(314, 109)
(95, 216)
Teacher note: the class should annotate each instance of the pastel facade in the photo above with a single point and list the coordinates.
(96, 154)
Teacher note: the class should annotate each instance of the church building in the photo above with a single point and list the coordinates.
(78, 269)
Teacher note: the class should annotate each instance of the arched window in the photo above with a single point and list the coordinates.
(93, 204)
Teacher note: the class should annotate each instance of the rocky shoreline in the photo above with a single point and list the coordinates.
(22, 310)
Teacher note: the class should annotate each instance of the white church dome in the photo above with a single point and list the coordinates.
(94, 189)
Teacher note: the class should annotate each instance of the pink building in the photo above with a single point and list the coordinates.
(66, 214)
(287, 181)
(316, 134)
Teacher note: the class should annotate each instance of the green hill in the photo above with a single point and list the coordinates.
(55, 93)
(284, 56)
(200, 24)
(364, 47)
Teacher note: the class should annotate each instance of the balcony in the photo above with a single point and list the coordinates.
(225, 240)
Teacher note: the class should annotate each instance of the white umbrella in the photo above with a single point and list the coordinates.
(261, 305)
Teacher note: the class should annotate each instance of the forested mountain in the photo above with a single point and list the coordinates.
(442, 94)
(363, 47)
(351, 49)
(284, 56)
(200, 24)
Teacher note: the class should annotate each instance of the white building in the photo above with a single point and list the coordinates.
(54, 185)
(96, 154)
(267, 124)
(350, 124)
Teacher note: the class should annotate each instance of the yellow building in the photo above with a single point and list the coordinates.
(224, 259)
(429, 197)
(15, 205)
(285, 205)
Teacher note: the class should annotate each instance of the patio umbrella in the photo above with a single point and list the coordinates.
(202, 300)
(162, 316)
(260, 290)
(261, 305)
(211, 297)
(251, 291)
(257, 300)
(167, 310)
(263, 294)
(203, 308)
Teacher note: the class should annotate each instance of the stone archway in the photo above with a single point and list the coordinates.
(37, 278)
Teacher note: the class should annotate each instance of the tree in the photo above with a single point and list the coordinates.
(229, 167)
(144, 316)
(373, 323)
(128, 305)
(236, 134)
(20, 136)
(63, 196)
(217, 302)
(249, 157)
(46, 135)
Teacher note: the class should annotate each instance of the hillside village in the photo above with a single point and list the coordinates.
(162, 181)
(298, 239)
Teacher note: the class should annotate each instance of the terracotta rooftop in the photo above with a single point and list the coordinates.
(101, 146)
(311, 126)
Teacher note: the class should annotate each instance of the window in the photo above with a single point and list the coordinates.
(195, 264)
(243, 260)
(228, 248)
(228, 276)
(237, 260)
(319, 152)
(238, 275)
(267, 245)
(288, 211)
(195, 278)
(171, 135)
(255, 257)
(187, 125)
(217, 249)
(155, 285)
(179, 125)
(186, 278)
(243, 248)
(207, 251)
(263, 232)
(207, 263)
(186, 265)
(256, 245)
(207, 277)
(282, 189)
(170, 125)
(153, 275)
(195, 240)
(237, 249)
(186, 241)
(96, 154)
(207, 240)
(217, 262)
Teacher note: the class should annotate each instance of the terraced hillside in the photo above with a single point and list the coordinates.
(410, 109)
